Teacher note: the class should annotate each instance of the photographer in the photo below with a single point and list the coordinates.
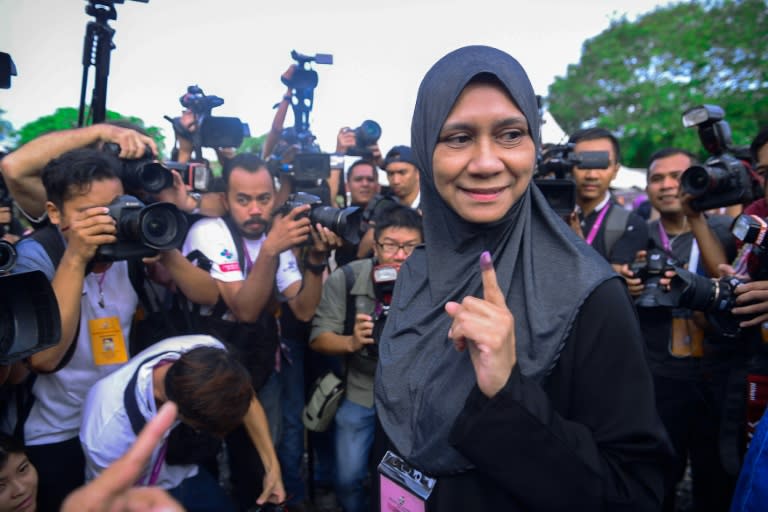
(403, 175)
(252, 263)
(22, 167)
(688, 367)
(348, 321)
(612, 231)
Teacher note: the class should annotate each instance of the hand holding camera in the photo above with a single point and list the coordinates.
(362, 333)
(288, 229)
(88, 230)
(132, 144)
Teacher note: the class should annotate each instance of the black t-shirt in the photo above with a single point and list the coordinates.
(635, 236)
(656, 323)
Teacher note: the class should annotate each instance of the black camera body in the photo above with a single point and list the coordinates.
(366, 135)
(723, 179)
(716, 297)
(6, 201)
(142, 230)
(553, 170)
(345, 222)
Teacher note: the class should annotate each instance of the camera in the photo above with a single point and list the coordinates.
(553, 167)
(723, 179)
(384, 277)
(688, 290)
(297, 154)
(345, 222)
(6, 201)
(212, 131)
(143, 230)
(151, 175)
(752, 229)
(366, 135)
(29, 312)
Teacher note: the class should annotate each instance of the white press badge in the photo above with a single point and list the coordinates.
(403, 488)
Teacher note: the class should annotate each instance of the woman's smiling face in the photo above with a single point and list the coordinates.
(485, 156)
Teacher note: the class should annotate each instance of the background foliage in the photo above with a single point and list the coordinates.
(636, 78)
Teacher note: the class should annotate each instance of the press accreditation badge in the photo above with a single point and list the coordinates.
(107, 341)
(403, 488)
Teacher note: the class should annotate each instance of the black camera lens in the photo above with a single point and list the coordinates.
(696, 180)
(368, 133)
(154, 177)
(344, 222)
(7, 256)
(162, 226)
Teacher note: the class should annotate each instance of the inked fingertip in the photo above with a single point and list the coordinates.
(486, 263)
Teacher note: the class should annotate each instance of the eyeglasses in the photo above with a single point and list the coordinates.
(392, 248)
(369, 179)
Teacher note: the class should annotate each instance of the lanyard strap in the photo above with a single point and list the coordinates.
(693, 257)
(597, 224)
(158, 464)
(248, 262)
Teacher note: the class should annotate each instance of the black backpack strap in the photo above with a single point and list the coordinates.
(615, 225)
(349, 318)
(129, 397)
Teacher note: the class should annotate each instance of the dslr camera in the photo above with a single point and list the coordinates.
(345, 222)
(142, 230)
(716, 297)
(723, 179)
(553, 169)
(752, 229)
(6, 201)
(366, 135)
(29, 312)
(151, 175)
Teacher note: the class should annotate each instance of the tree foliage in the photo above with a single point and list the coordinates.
(636, 78)
(252, 144)
(65, 118)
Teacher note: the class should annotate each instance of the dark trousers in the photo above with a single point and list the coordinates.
(61, 470)
(690, 411)
(202, 493)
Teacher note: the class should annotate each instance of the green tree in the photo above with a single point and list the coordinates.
(636, 78)
(66, 117)
(252, 144)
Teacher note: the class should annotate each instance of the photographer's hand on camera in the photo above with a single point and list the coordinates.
(345, 140)
(362, 333)
(751, 298)
(287, 231)
(87, 231)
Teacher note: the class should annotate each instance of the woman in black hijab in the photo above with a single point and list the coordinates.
(511, 366)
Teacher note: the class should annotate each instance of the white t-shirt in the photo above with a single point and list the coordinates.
(106, 432)
(59, 397)
(212, 237)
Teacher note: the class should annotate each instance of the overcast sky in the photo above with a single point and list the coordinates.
(237, 49)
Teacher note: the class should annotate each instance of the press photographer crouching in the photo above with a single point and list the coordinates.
(93, 229)
(349, 320)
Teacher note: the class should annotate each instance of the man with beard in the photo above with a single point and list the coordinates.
(252, 265)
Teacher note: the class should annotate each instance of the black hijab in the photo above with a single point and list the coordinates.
(543, 268)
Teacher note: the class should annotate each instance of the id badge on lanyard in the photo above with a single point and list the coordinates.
(403, 488)
(107, 340)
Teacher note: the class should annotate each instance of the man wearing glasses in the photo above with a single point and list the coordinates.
(347, 322)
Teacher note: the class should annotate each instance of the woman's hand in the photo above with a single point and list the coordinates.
(487, 328)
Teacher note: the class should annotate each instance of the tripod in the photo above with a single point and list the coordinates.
(97, 46)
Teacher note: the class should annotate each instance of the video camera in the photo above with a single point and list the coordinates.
(143, 230)
(345, 222)
(297, 154)
(688, 290)
(29, 312)
(210, 131)
(7, 70)
(558, 161)
(149, 174)
(724, 179)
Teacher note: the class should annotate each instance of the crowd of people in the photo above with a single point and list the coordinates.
(494, 355)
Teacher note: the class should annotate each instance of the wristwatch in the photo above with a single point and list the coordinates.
(198, 197)
(315, 269)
